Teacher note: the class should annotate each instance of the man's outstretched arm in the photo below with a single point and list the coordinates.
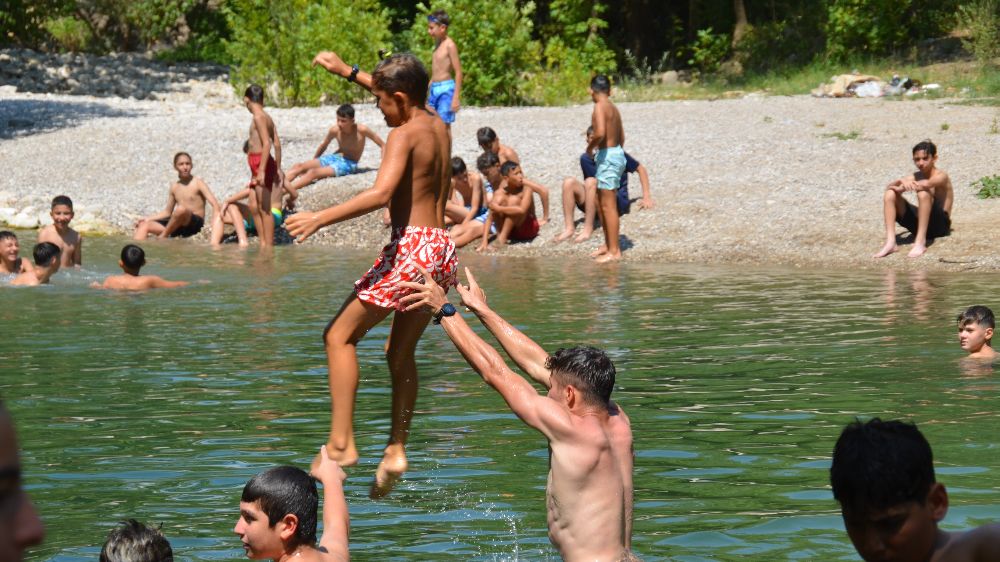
(332, 63)
(336, 521)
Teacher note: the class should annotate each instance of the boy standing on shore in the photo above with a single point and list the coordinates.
(265, 175)
(69, 241)
(445, 92)
(608, 138)
(413, 180)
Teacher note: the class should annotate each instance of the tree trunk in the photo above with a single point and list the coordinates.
(740, 29)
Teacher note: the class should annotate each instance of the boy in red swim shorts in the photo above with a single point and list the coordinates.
(413, 181)
(264, 179)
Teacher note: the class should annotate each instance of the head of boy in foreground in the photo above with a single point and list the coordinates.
(278, 513)
(600, 85)
(46, 255)
(20, 526)
(400, 84)
(62, 211)
(883, 476)
(581, 376)
(135, 542)
(253, 95)
(975, 328)
(511, 171)
(437, 24)
(9, 247)
(132, 259)
(925, 156)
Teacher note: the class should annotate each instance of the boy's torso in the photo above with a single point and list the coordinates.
(614, 134)
(441, 62)
(421, 196)
(67, 240)
(351, 143)
(189, 196)
(256, 143)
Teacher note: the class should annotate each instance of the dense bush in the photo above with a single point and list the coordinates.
(880, 27)
(981, 21)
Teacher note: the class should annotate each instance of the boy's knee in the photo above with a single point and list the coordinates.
(924, 197)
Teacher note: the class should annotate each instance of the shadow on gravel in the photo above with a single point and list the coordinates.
(20, 118)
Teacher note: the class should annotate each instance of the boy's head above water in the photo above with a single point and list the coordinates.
(585, 374)
(46, 254)
(975, 328)
(278, 512)
(132, 259)
(61, 211)
(883, 476)
(133, 542)
(9, 246)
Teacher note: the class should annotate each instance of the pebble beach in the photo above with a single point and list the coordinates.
(791, 181)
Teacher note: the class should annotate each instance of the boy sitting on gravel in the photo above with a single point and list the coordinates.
(489, 142)
(512, 208)
(469, 213)
(351, 144)
(132, 260)
(932, 215)
(184, 215)
(47, 263)
(69, 241)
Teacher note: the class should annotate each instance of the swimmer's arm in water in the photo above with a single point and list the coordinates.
(336, 521)
(155, 282)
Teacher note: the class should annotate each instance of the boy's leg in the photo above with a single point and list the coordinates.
(145, 228)
(455, 212)
(893, 205)
(924, 202)
(312, 175)
(463, 234)
(589, 209)
(572, 195)
(506, 227)
(180, 218)
(235, 214)
(263, 217)
(218, 224)
(543, 194)
(608, 200)
(340, 338)
(407, 327)
(255, 209)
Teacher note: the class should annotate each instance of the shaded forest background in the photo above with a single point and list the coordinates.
(513, 51)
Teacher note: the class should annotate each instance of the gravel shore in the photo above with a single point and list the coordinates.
(758, 180)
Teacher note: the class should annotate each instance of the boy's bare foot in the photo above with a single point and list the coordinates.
(917, 251)
(889, 248)
(543, 222)
(344, 457)
(389, 471)
(606, 257)
(563, 235)
(600, 251)
(584, 235)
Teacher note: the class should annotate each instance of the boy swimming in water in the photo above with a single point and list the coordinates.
(184, 215)
(132, 259)
(47, 264)
(975, 332)
(10, 262)
(135, 542)
(69, 241)
(413, 180)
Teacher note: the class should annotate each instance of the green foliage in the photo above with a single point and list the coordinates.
(274, 41)
(879, 27)
(69, 33)
(981, 19)
(986, 187)
(709, 50)
(791, 42)
(494, 43)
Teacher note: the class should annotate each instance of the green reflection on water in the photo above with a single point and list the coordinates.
(160, 406)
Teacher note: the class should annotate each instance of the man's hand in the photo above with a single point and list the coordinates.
(428, 294)
(331, 61)
(302, 225)
(473, 297)
(328, 470)
(646, 203)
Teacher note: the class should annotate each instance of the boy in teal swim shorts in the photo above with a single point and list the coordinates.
(445, 91)
(608, 138)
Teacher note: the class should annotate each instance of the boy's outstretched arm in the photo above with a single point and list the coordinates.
(331, 61)
(373, 136)
(330, 135)
(647, 194)
(336, 520)
(161, 283)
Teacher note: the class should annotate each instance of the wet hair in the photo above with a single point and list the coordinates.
(62, 200)
(402, 72)
(927, 146)
(439, 16)
(508, 167)
(346, 110)
(182, 153)
(880, 464)
(486, 160)
(588, 369)
(282, 490)
(6, 235)
(457, 166)
(135, 542)
(133, 257)
(254, 93)
(601, 84)
(43, 253)
(980, 315)
(486, 136)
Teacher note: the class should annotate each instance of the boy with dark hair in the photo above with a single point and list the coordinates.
(265, 171)
(975, 332)
(135, 542)
(132, 260)
(20, 527)
(184, 215)
(413, 181)
(468, 207)
(883, 476)
(490, 142)
(589, 489)
(932, 215)
(488, 164)
(10, 260)
(47, 263)
(350, 138)
(445, 91)
(584, 195)
(70, 242)
(512, 208)
(278, 513)
(608, 138)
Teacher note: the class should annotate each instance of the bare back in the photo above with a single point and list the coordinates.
(190, 195)
(441, 60)
(422, 193)
(614, 133)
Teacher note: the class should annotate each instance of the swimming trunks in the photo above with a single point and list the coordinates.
(938, 225)
(279, 218)
(487, 186)
(482, 216)
(589, 169)
(342, 166)
(270, 172)
(610, 167)
(193, 227)
(440, 98)
(430, 248)
(527, 230)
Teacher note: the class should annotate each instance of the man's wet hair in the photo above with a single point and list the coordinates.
(978, 314)
(182, 153)
(588, 369)
(346, 110)
(43, 253)
(62, 200)
(486, 136)
(600, 83)
(135, 542)
(486, 160)
(440, 16)
(402, 72)
(457, 166)
(282, 490)
(6, 235)
(927, 146)
(254, 93)
(133, 257)
(880, 464)
(508, 167)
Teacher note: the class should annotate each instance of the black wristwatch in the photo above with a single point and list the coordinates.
(447, 310)
(354, 73)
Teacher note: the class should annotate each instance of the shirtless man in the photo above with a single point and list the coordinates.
(132, 260)
(589, 488)
(265, 171)
(413, 182)
(69, 241)
(445, 91)
(350, 138)
(184, 215)
(932, 215)
(608, 139)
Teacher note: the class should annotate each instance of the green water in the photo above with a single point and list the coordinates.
(160, 406)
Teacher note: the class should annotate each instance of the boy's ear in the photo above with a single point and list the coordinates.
(989, 334)
(571, 395)
(937, 501)
(121, 264)
(287, 527)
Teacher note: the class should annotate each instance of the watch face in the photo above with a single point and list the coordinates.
(448, 309)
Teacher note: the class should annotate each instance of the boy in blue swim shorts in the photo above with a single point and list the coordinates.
(351, 144)
(445, 91)
(608, 138)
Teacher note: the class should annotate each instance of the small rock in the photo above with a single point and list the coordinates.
(669, 78)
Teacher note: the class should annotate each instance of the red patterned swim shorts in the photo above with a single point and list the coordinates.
(430, 248)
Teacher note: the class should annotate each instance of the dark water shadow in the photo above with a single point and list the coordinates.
(24, 117)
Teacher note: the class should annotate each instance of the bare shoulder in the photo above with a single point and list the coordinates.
(46, 233)
(449, 43)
